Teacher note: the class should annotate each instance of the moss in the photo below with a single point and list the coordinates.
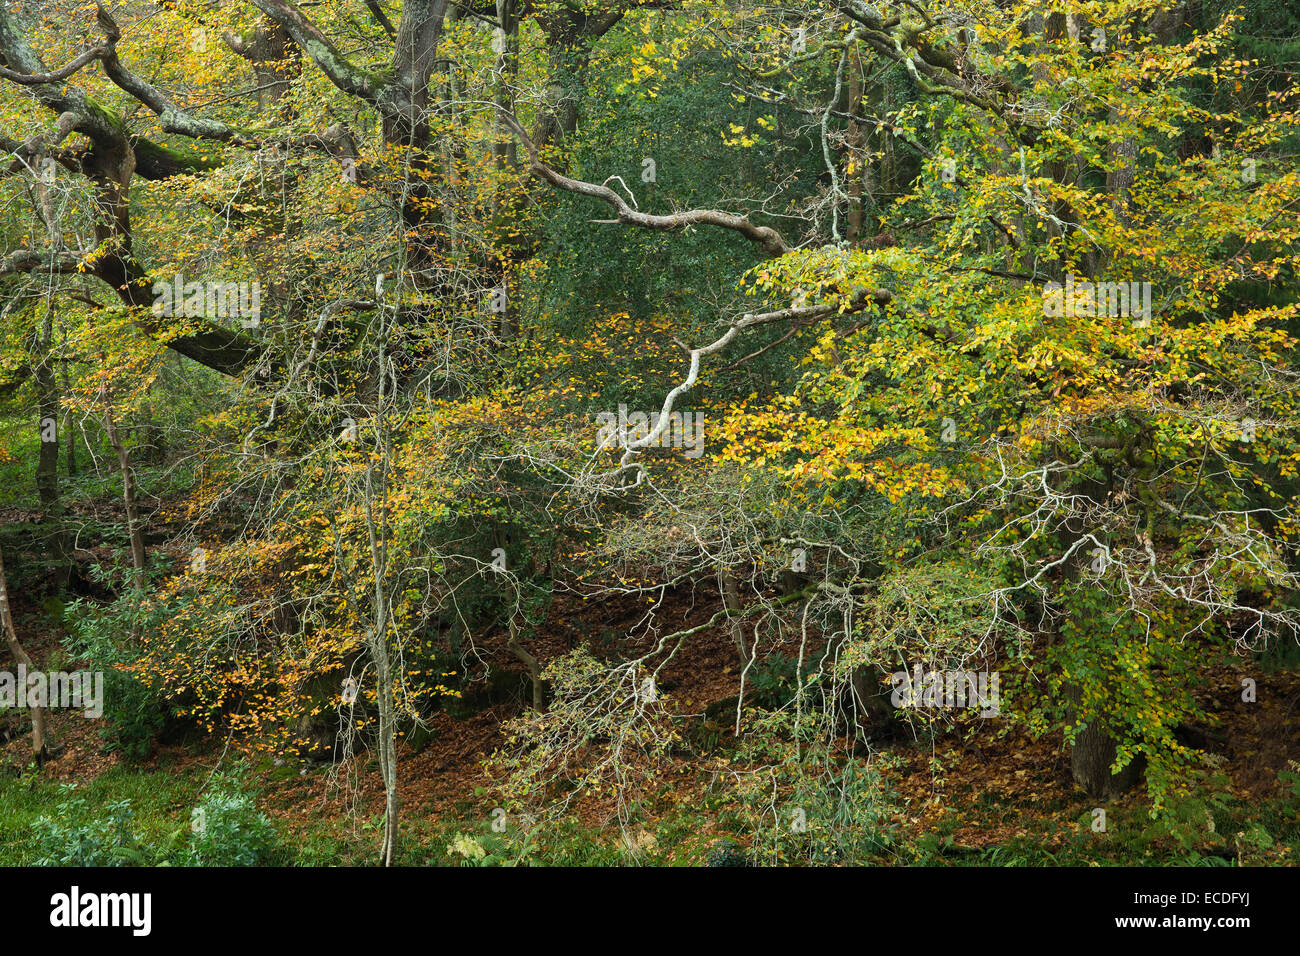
(379, 76)
(110, 118)
(174, 160)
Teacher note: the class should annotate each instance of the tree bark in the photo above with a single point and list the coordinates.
(40, 750)
(47, 464)
(530, 661)
(387, 743)
(731, 601)
(128, 497)
(855, 144)
(1091, 758)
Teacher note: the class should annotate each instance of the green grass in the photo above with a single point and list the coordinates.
(161, 801)
(1263, 833)
(1210, 827)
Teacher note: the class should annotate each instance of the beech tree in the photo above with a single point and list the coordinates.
(990, 307)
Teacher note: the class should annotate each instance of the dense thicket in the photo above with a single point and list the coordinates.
(951, 337)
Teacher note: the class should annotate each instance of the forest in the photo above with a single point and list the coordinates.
(660, 433)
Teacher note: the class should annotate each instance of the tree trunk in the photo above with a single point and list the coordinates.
(70, 444)
(387, 743)
(1090, 762)
(128, 497)
(39, 749)
(47, 463)
(385, 685)
(533, 665)
(731, 601)
(857, 156)
(1094, 749)
(507, 70)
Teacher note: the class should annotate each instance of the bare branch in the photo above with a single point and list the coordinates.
(325, 55)
(799, 314)
(771, 241)
(55, 76)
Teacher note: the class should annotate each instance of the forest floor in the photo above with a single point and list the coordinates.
(954, 794)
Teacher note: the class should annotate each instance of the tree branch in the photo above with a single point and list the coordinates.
(324, 54)
(771, 241)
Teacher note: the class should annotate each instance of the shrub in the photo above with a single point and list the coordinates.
(807, 804)
(72, 837)
(228, 830)
(726, 853)
(97, 638)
